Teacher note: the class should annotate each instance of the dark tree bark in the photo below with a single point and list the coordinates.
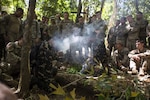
(24, 82)
(102, 6)
(0, 5)
(79, 10)
(137, 5)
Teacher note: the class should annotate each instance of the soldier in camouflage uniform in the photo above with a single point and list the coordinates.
(121, 56)
(142, 24)
(42, 68)
(112, 36)
(132, 34)
(66, 25)
(99, 50)
(140, 59)
(122, 31)
(53, 28)
(14, 56)
(35, 31)
(43, 26)
(13, 24)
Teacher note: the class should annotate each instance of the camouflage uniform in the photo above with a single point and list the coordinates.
(42, 66)
(35, 32)
(112, 38)
(99, 50)
(122, 33)
(142, 24)
(132, 35)
(121, 56)
(144, 62)
(13, 57)
(12, 27)
(66, 27)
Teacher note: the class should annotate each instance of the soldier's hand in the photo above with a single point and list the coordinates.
(136, 57)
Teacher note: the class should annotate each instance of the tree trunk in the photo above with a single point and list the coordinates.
(137, 5)
(0, 5)
(102, 6)
(79, 10)
(24, 82)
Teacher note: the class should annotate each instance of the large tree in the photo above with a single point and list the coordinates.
(24, 82)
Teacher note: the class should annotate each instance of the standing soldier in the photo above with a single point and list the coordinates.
(112, 36)
(133, 33)
(43, 25)
(142, 24)
(35, 31)
(66, 25)
(122, 31)
(52, 28)
(99, 49)
(2, 36)
(13, 24)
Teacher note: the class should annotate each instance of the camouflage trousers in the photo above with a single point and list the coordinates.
(143, 63)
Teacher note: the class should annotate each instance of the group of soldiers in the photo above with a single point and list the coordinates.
(128, 34)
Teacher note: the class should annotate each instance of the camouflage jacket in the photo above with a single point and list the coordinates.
(13, 53)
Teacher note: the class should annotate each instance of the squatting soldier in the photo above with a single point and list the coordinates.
(112, 36)
(66, 25)
(132, 34)
(122, 31)
(142, 24)
(13, 23)
(121, 56)
(14, 56)
(140, 59)
(41, 63)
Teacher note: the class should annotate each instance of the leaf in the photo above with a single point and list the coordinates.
(82, 98)
(134, 94)
(101, 97)
(43, 97)
(52, 86)
(59, 91)
(73, 94)
(114, 77)
(68, 98)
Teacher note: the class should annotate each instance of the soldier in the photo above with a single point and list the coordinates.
(14, 56)
(142, 24)
(121, 56)
(98, 45)
(122, 31)
(133, 33)
(2, 36)
(112, 36)
(140, 59)
(66, 25)
(13, 24)
(35, 31)
(53, 28)
(42, 68)
(43, 25)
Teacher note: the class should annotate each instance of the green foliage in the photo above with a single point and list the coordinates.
(67, 96)
(116, 87)
(73, 69)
